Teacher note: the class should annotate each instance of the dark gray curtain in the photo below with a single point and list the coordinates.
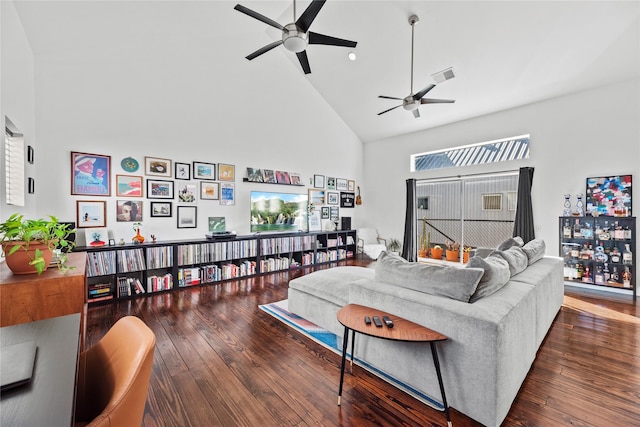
(409, 245)
(523, 225)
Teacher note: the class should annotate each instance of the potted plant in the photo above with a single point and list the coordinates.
(465, 253)
(394, 245)
(453, 251)
(29, 244)
(425, 240)
(436, 252)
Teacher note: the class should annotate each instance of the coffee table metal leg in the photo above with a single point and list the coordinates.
(353, 345)
(444, 397)
(345, 341)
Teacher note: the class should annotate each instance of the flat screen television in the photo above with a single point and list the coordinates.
(278, 212)
(609, 195)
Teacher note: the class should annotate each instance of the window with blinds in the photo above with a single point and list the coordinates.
(14, 168)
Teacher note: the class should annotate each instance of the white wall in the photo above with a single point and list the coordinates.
(17, 99)
(591, 133)
(218, 109)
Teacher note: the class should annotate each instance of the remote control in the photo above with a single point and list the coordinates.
(367, 320)
(377, 321)
(388, 321)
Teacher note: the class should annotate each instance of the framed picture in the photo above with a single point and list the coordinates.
(155, 166)
(325, 212)
(609, 195)
(159, 189)
(331, 183)
(316, 197)
(227, 194)
(217, 224)
(347, 200)
(315, 223)
(204, 171)
(187, 192)
(333, 198)
(90, 174)
(226, 172)
(268, 176)
(183, 171)
(187, 217)
(91, 213)
(128, 210)
(209, 190)
(351, 185)
(282, 177)
(295, 178)
(334, 214)
(318, 181)
(96, 236)
(341, 184)
(254, 175)
(128, 186)
(161, 209)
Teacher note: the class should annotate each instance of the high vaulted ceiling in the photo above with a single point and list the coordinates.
(504, 53)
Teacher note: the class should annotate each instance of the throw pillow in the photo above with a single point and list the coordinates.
(450, 282)
(515, 257)
(512, 241)
(534, 250)
(496, 275)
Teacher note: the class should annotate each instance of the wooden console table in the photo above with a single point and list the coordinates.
(352, 317)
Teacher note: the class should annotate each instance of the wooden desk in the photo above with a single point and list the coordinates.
(30, 297)
(351, 316)
(49, 399)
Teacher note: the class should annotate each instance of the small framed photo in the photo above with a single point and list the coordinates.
(204, 171)
(183, 171)
(187, 217)
(331, 183)
(161, 209)
(351, 185)
(128, 210)
(159, 189)
(187, 192)
(347, 200)
(318, 181)
(341, 184)
(325, 212)
(155, 166)
(268, 175)
(91, 214)
(254, 175)
(226, 172)
(282, 177)
(128, 186)
(333, 198)
(96, 236)
(295, 178)
(316, 197)
(209, 190)
(90, 174)
(334, 214)
(227, 194)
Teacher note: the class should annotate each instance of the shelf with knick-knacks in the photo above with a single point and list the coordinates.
(598, 252)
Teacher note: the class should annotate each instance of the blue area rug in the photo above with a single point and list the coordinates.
(280, 311)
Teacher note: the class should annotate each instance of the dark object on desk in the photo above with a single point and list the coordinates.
(367, 320)
(387, 321)
(16, 364)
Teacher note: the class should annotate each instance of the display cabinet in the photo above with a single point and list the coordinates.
(599, 251)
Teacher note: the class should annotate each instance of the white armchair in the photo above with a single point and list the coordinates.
(370, 243)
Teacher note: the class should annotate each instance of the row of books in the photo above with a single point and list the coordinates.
(199, 253)
(331, 255)
(274, 264)
(101, 263)
(130, 260)
(279, 245)
(160, 257)
(214, 273)
(100, 292)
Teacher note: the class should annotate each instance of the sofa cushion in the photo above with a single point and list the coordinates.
(534, 250)
(515, 257)
(496, 275)
(451, 282)
(512, 241)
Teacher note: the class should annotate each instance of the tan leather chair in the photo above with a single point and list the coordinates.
(113, 378)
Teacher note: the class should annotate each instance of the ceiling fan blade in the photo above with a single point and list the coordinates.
(310, 13)
(436, 101)
(264, 49)
(304, 61)
(392, 108)
(389, 97)
(315, 38)
(259, 17)
(416, 113)
(423, 92)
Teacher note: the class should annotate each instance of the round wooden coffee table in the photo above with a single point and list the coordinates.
(352, 317)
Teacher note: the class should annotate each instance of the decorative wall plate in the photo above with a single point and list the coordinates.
(129, 164)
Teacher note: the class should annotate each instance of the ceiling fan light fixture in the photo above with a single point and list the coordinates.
(293, 39)
(410, 104)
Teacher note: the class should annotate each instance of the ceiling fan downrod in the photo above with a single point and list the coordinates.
(413, 19)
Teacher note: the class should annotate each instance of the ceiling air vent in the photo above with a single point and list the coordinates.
(444, 75)
(492, 202)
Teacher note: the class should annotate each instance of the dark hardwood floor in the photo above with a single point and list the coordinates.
(221, 361)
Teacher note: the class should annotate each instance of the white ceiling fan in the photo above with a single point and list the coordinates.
(412, 101)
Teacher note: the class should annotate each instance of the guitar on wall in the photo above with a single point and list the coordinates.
(358, 198)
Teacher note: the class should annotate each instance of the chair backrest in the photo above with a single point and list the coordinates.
(113, 381)
(368, 235)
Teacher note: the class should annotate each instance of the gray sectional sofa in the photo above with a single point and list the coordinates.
(495, 321)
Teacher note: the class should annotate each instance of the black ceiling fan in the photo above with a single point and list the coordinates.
(412, 101)
(296, 35)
